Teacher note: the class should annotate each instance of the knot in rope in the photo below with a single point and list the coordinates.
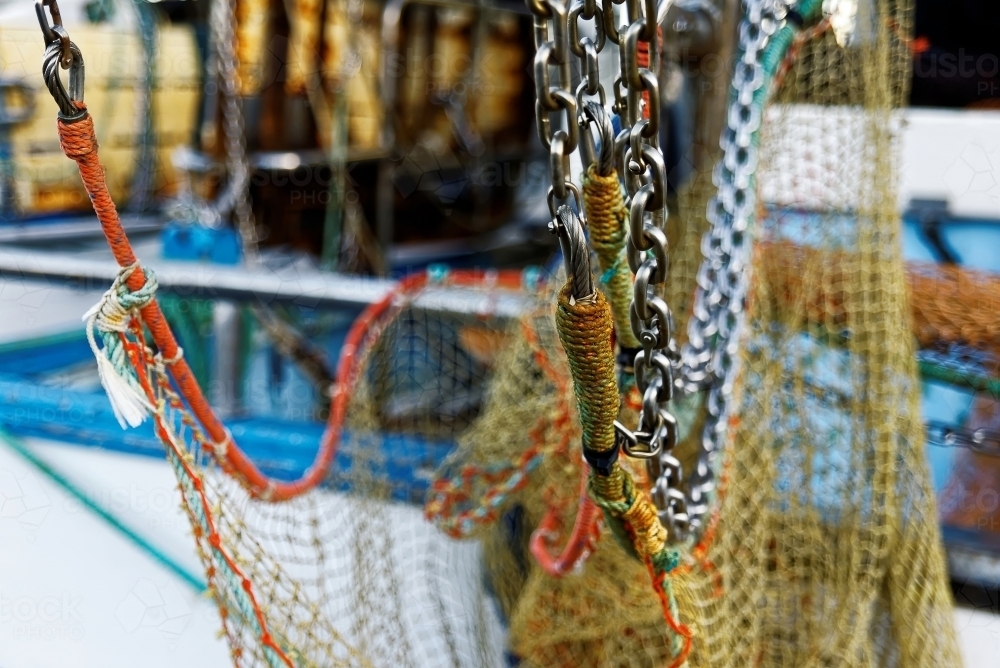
(110, 317)
(633, 518)
(112, 313)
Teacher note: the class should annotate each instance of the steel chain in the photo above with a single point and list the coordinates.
(710, 355)
(644, 171)
(552, 51)
(591, 111)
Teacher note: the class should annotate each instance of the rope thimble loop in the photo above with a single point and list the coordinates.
(110, 318)
(584, 325)
(61, 53)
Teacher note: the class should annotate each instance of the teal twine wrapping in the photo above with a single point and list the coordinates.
(110, 320)
(613, 269)
(110, 317)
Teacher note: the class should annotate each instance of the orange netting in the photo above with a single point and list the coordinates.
(949, 304)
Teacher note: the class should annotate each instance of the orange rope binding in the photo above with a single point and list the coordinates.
(79, 143)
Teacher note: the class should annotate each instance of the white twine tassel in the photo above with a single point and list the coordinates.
(110, 317)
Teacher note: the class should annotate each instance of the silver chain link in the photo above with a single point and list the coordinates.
(644, 171)
(710, 355)
(723, 279)
(591, 111)
(552, 51)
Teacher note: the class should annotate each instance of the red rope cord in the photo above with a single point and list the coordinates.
(642, 59)
(582, 540)
(683, 630)
(138, 356)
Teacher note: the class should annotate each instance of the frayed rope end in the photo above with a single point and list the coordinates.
(129, 406)
(110, 317)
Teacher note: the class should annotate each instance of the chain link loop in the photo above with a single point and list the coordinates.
(637, 101)
(722, 282)
(710, 355)
(552, 30)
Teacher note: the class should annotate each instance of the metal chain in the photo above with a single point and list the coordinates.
(644, 171)
(723, 277)
(983, 441)
(236, 197)
(585, 48)
(710, 354)
(552, 50)
(637, 101)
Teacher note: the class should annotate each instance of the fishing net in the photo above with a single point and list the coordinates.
(337, 566)
(828, 548)
(571, 594)
(823, 546)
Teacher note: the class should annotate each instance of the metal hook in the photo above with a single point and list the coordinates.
(61, 52)
(55, 32)
(576, 254)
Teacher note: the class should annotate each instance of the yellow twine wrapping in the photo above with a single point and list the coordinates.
(606, 216)
(584, 328)
(649, 536)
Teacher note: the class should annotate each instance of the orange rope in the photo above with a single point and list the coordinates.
(947, 303)
(642, 59)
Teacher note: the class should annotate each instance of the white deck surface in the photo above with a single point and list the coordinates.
(74, 592)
